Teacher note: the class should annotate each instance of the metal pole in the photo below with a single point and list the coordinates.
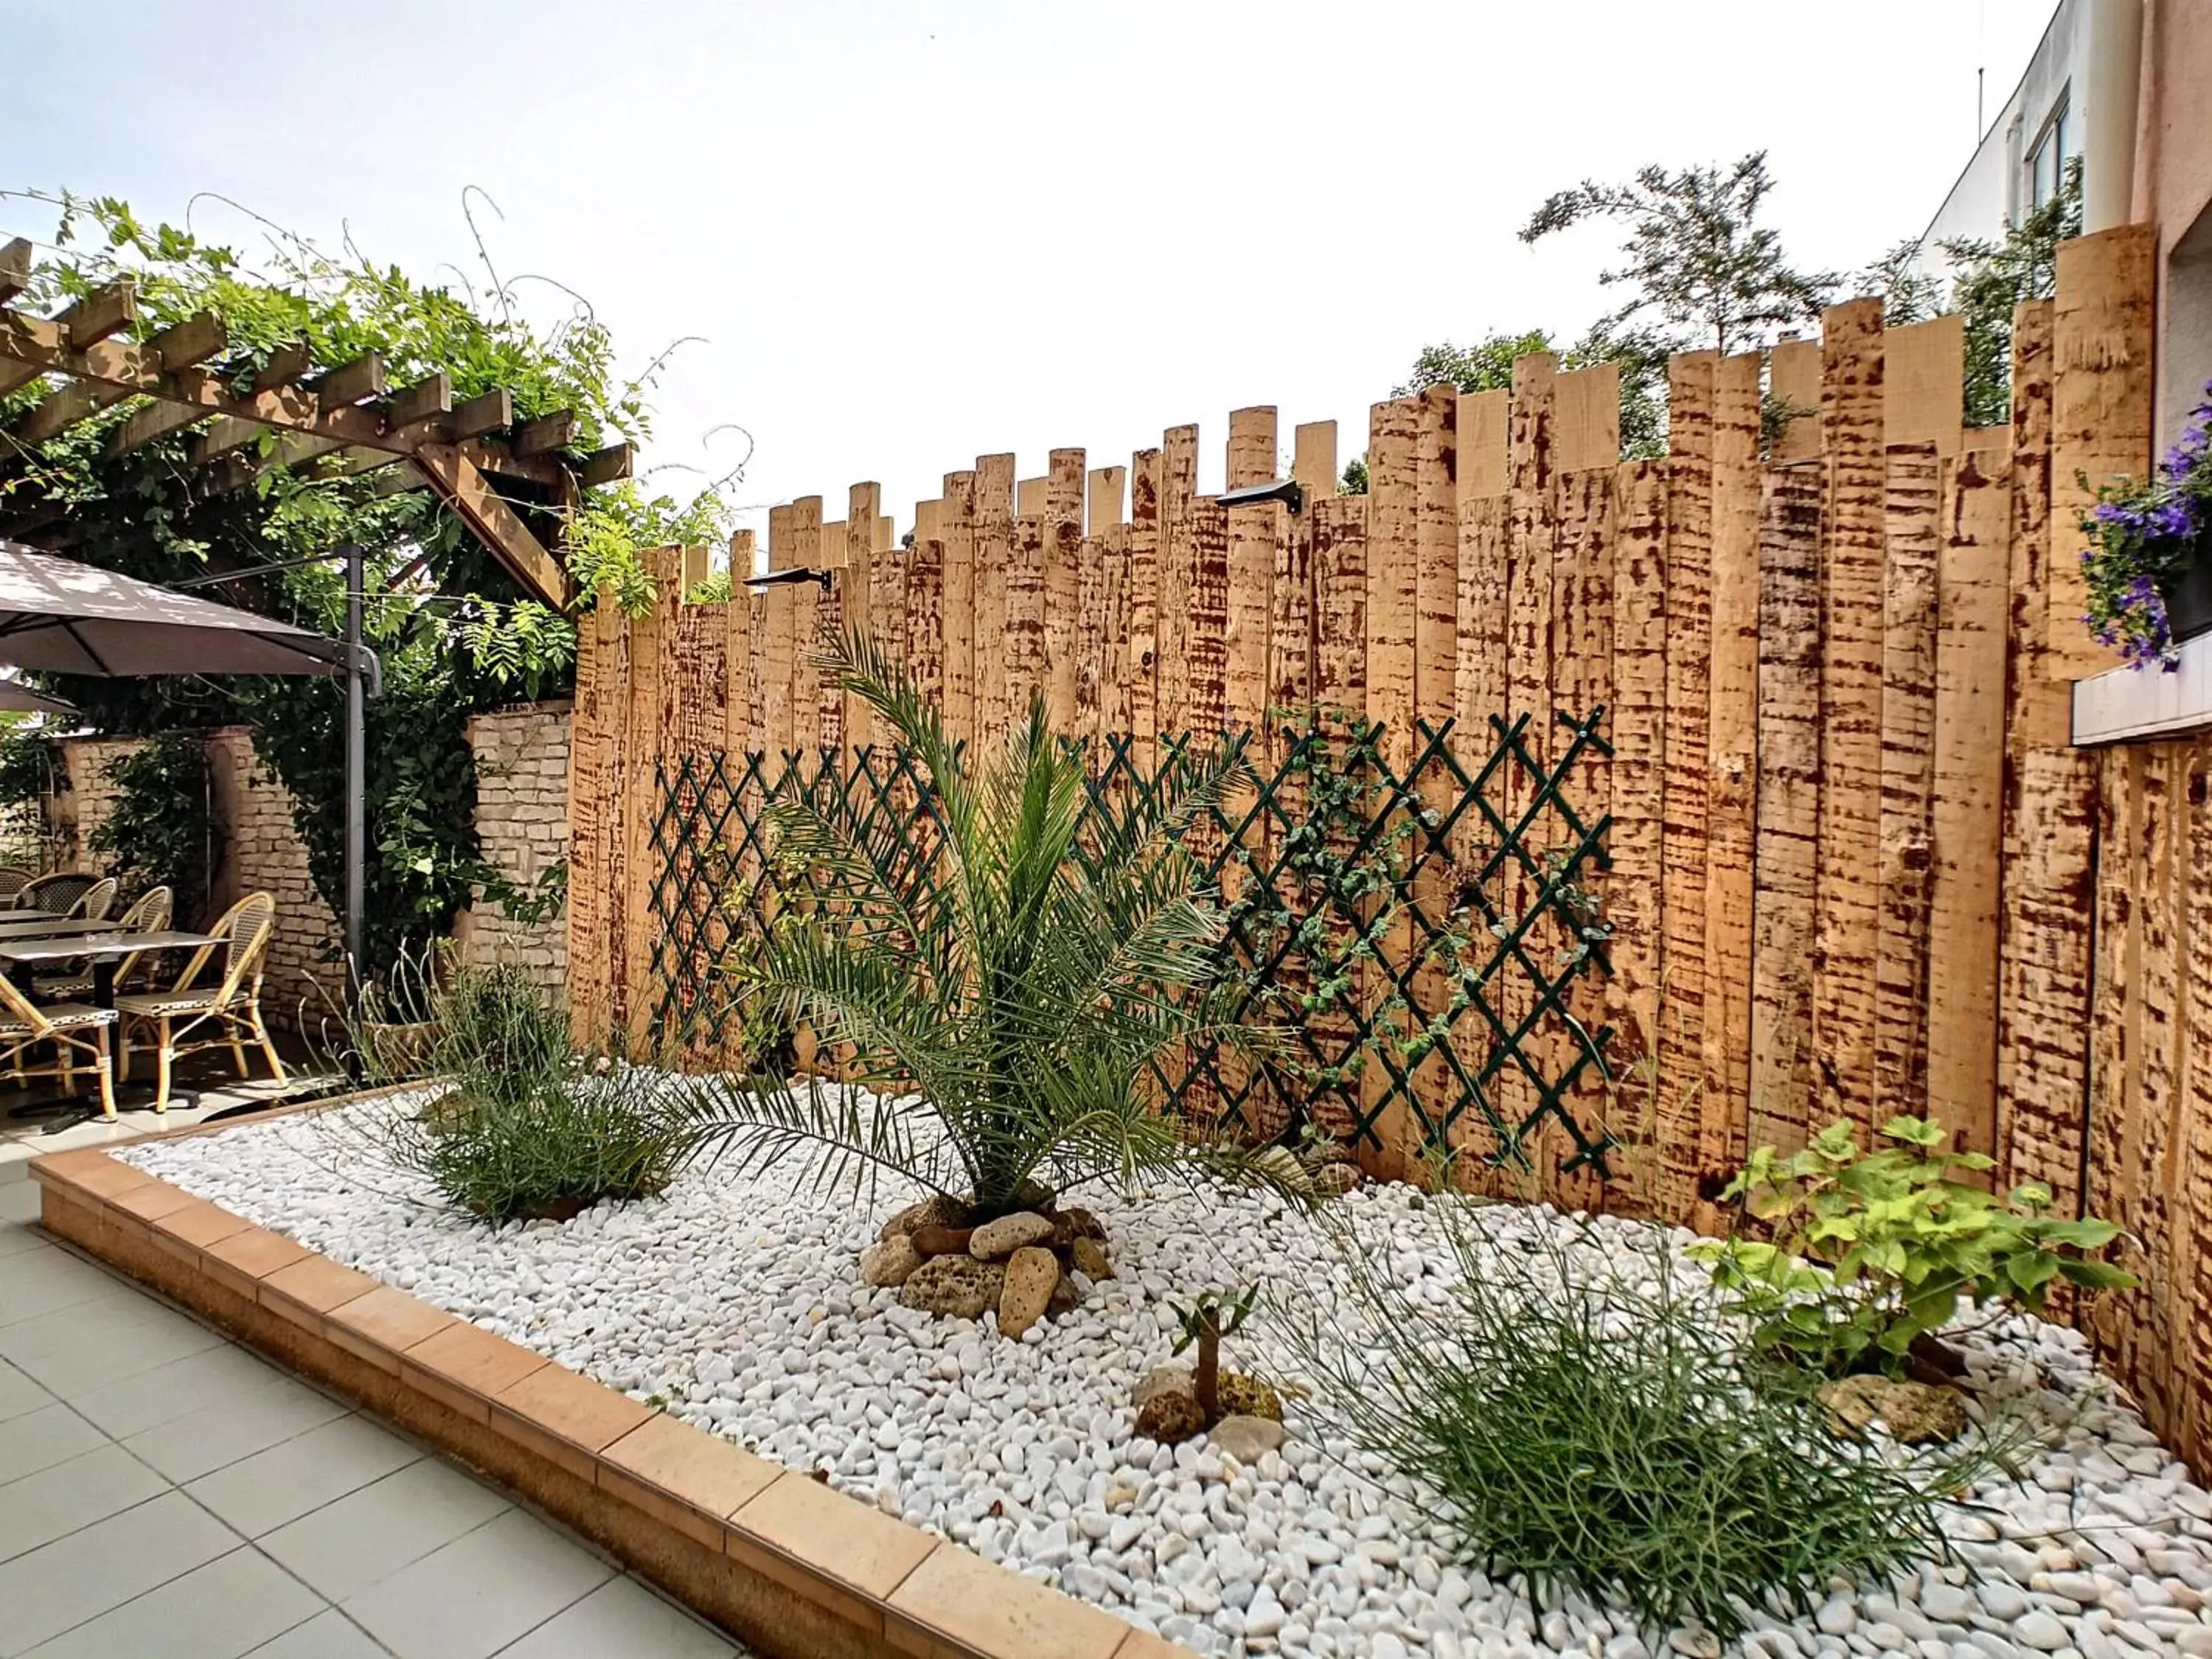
(356, 779)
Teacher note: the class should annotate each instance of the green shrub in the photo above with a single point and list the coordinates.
(1870, 1253)
(1588, 1422)
(529, 1127)
(160, 830)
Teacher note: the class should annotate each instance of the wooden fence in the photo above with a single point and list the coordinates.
(1858, 867)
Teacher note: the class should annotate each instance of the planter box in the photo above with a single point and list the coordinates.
(785, 1563)
(2189, 601)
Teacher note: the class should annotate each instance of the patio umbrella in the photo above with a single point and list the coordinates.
(64, 617)
(21, 700)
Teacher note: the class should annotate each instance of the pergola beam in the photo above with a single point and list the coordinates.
(100, 314)
(462, 487)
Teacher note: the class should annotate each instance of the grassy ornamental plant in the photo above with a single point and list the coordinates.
(999, 983)
(1579, 1414)
(530, 1128)
(1870, 1253)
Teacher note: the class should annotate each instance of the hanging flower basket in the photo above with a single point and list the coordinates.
(2149, 583)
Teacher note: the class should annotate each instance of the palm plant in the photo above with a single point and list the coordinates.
(999, 970)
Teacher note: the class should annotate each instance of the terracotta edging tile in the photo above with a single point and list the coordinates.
(190, 1228)
(307, 1290)
(961, 1603)
(242, 1260)
(383, 1324)
(683, 1477)
(566, 1416)
(89, 1169)
(833, 1549)
(151, 1201)
(465, 1367)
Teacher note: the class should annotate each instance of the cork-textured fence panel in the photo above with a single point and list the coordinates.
(1859, 869)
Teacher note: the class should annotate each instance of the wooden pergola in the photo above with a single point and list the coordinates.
(511, 483)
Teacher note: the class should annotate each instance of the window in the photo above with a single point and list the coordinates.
(2046, 164)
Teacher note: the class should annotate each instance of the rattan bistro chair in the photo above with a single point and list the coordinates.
(149, 913)
(231, 1005)
(73, 1028)
(57, 894)
(13, 879)
(98, 899)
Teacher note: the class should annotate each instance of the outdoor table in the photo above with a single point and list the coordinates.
(35, 925)
(21, 958)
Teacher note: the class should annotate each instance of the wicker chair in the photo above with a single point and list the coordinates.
(13, 879)
(73, 1028)
(149, 913)
(98, 899)
(232, 1005)
(56, 894)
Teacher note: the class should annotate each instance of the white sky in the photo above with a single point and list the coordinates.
(913, 233)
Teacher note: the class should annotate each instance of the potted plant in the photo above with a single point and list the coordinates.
(2149, 590)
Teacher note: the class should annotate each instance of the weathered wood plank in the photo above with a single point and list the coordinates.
(955, 520)
(1781, 1057)
(1967, 803)
(1793, 385)
(1923, 384)
(1393, 573)
(1340, 606)
(994, 553)
(1063, 581)
(1908, 778)
(1178, 488)
(1851, 401)
(777, 640)
(2102, 414)
(1256, 535)
(1144, 597)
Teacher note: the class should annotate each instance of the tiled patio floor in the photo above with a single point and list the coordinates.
(164, 1493)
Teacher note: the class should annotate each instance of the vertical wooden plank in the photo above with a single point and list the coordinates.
(1111, 671)
(1178, 488)
(777, 640)
(1063, 538)
(2101, 413)
(1637, 841)
(2192, 1430)
(863, 607)
(832, 605)
(2049, 829)
(1313, 459)
(590, 794)
(957, 525)
(1908, 778)
(1924, 380)
(1255, 536)
(1485, 438)
(1732, 750)
(1205, 643)
(737, 711)
(805, 634)
(1340, 606)
(2153, 1144)
(1967, 805)
(1689, 1141)
(1144, 597)
(1103, 507)
(1782, 1055)
(1025, 603)
(995, 543)
(1393, 571)
(1588, 417)
(1485, 573)
(2115, 1061)
(1793, 383)
(1091, 634)
(924, 607)
(1851, 403)
(633, 999)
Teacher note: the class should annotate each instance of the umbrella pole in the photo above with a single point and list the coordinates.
(356, 779)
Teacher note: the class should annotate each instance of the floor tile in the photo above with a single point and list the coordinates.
(260, 1493)
(346, 1547)
(216, 1436)
(39, 1439)
(220, 1611)
(20, 1201)
(622, 1617)
(479, 1593)
(34, 1282)
(134, 1404)
(98, 1343)
(58, 1327)
(20, 1393)
(328, 1636)
(68, 1496)
(15, 1239)
(56, 1589)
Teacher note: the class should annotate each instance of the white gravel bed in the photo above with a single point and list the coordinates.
(733, 1302)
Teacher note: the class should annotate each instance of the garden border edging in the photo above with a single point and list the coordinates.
(786, 1563)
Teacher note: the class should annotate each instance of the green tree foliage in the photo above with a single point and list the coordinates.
(454, 634)
(1002, 989)
(1698, 269)
(1487, 366)
(1353, 480)
(1991, 278)
(160, 830)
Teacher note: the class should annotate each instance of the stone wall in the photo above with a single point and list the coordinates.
(522, 821)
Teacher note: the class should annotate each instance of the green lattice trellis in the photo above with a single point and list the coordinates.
(1420, 934)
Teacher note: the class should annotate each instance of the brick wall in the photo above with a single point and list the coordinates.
(74, 815)
(522, 821)
(262, 853)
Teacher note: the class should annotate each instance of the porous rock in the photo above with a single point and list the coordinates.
(932, 1238)
(1026, 1293)
(1162, 1379)
(1170, 1415)
(954, 1286)
(891, 1261)
(1246, 1438)
(1239, 1395)
(1913, 1413)
(1088, 1257)
(936, 1212)
(996, 1240)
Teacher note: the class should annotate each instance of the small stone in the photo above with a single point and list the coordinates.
(890, 1262)
(1170, 1415)
(953, 1286)
(1337, 1179)
(1695, 1644)
(1089, 1258)
(1030, 1276)
(1239, 1395)
(1246, 1438)
(996, 1240)
(1078, 1222)
(2039, 1629)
